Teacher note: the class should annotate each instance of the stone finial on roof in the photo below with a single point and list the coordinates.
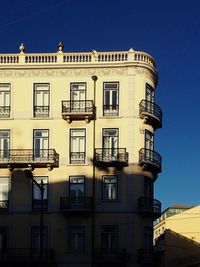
(60, 47)
(22, 48)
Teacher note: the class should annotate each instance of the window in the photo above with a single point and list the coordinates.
(149, 93)
(4, 100)
(149, 145)
(35, 237)
(76, 237)
(110, 144)
(4, 144)
(77, 146)
(77, 192)
(111, 99)
(150, 99)
(76, 186)
(148, 237)
(4, 193)
(149, 140)
(3, 239)
(148, 188)
(36, 193)
(77, 96)
(41, 100)
(109, 237)
(110, 187)
(40, 144)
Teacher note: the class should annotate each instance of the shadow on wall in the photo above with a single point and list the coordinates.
(70, 203)
(179, 250)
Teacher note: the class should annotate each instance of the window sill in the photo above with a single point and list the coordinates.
(42, 118)
(110, 200)
(6, 118)
(110, 117)
(75, 164)
(69, 251)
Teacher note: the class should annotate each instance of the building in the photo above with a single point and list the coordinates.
(80, 126)
(170, 211)
(178, 236)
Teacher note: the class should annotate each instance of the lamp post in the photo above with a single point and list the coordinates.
(94, 78)
(29, 175)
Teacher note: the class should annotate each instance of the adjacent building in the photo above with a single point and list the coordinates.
(78, 158)
(177, 236)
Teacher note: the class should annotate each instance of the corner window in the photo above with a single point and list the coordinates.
(150, 94)
(76, 237)
(36, 193)
(4, 100)
(148, 188)
(149, 140)
(41, 100)
(111, 99)
(77, 146)
(148, 237)
(110, 187)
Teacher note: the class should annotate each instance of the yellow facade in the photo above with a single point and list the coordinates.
(86, 150)
(179, 238)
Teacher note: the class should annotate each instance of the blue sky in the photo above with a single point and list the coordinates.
(169, 30)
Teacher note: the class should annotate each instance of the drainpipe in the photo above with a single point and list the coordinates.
(94, 78)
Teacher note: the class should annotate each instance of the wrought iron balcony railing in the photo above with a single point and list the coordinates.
(151, 112)
(15, 158)
(111, 156)
(36, 205)
(150, 160)
(25, 255)
(110, 110)
(78, 110)
(149, 257)
(77, 157)
(41, 111)
(149, 206)
(69, 204)
(4, 111)
(4, 205)
(114, 255)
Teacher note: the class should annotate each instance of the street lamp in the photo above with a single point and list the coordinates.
(94, 78)
(29, 175)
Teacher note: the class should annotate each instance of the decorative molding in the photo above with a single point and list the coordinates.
(147, 73)
(62, 72)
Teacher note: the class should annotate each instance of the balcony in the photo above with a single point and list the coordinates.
(4, 206)
(111, 157)
(78, 110)
(41, 111)
(115, 255)
(149, 257)
(149, 206)
(23, 158)
(110, 110)
(36, 205)
(4, 112)
(150, 160)
(25, 255)
(151, 112)
(75, 204)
